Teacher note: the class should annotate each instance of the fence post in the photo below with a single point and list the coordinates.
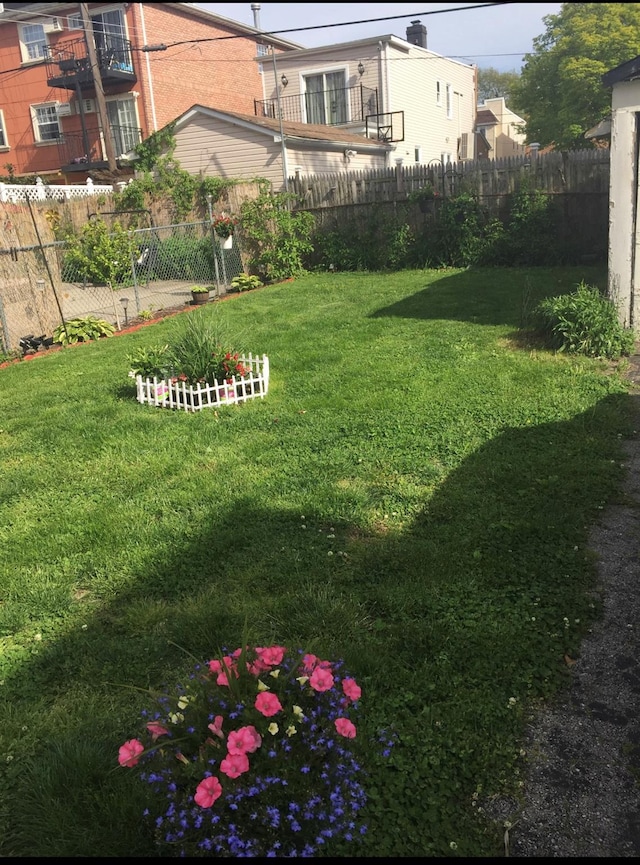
(40, 190)
(3, 192)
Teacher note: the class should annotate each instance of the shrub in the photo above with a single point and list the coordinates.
(82, 330)
(244, 282)
(98, 255)
(150, 361)
(585, 322)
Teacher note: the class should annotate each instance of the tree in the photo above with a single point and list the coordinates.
(492, 83)
(560, 90)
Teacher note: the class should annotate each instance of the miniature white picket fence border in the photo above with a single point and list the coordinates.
(179, 395)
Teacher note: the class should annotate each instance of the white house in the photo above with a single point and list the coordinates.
(387, 88)
(624, 215)
(215, 143)
(501, 128)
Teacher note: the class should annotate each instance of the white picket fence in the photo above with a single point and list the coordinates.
(16, 192)
(177, 394)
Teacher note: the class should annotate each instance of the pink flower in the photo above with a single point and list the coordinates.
(207, 792)
(309, 663)
(272, 655)
(351, 689)
(215, 666)
(156, 730)
(234, 765)
(246, 740)
(227, 666)
(321, 679)
(257, 667)
(129, 753)
(216, 727)
(345, 728)
(268, 704)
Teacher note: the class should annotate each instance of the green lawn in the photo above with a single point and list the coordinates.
(414, 495)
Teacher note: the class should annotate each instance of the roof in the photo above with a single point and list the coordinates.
(26, 12)
(484, 117)
(625, 72)
(600, 130)
(292, 131)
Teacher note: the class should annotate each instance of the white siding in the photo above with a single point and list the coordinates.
(328, 162)
(210, 147)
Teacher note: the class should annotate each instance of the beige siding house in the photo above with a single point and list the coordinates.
(210, 142)
(624, 192)
(500, 126)
(386, 87)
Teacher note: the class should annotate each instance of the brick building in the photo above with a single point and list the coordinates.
(50, 118)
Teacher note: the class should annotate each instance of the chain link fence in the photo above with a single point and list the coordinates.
(156, 269)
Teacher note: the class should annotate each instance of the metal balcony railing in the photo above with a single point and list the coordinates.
(68, 63)
(77, 152)
(325, 107)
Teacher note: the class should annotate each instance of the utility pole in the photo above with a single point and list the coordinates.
(97, 81)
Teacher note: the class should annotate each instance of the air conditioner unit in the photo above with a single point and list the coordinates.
(53, 25)
(88, 106)
(63, 109)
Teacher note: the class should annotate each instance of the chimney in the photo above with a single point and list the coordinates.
(255, 8)
(417, 34)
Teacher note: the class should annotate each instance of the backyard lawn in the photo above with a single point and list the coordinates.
(414, 495)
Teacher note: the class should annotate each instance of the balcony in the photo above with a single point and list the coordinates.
(79, 154)
(68, 65)
(342, 107)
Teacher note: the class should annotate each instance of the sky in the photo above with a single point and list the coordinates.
(495, 36)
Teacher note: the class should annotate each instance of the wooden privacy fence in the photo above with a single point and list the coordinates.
(576, 172)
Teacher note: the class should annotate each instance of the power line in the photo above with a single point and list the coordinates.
(259, 34)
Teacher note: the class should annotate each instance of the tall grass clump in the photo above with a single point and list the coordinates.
(585, 322)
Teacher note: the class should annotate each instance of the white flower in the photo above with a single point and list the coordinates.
(274, 673)
(262, 686)
(183, 702)
(297, 711)
(273, 728)
(176, 717)
(291, 730)
(302, 680)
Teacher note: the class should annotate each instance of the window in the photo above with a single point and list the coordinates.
(445, 158)
(33, 42)
(74, 22)
(124, 124)
(449, 98)
(463, 145)
(438, 94)
(109, 34)
(417, 154)
(326, 98)
(3, 134)
(46, 125)
(262, 52)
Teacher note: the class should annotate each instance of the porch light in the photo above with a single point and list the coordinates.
(284, 80)
(361, 68)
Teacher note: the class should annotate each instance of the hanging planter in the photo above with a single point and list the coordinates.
(227, 242)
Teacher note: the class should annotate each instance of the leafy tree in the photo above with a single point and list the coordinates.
(560, 90)
(492, 83)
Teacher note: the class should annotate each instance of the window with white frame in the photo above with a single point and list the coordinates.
(3, 134)
(262, 52)
(325, 96)
(438, 93)
(449, 100)
(46, 126)
(75, 22)
(123, 121)
(33, 42)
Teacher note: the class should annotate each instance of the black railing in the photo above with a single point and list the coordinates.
(69, 63)
(326, 107)
(78, 151)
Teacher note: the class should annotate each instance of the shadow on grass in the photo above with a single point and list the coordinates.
(442, 624)
(472, 296)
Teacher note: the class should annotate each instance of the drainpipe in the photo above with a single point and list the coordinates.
(154, 119)
(283, 144)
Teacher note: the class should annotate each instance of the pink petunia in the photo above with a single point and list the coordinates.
(234, 765)
(246, 740)
(228, 666)
(351, 689)
(207, 792)
(321, 679)
(257, 667)
(156, 730)
(345, 728)
(216, 727)
(309, 663)
(272, 655)
(129, 753)
(268, 704)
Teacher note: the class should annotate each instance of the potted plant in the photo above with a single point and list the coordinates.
(224, 227)
(425, 197)
(200, 293)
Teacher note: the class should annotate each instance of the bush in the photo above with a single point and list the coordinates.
(98, 255)
(585, 322)
(199, 353)
(82, 330)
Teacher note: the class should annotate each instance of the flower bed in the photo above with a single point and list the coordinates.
(176, 393)
(255, 754)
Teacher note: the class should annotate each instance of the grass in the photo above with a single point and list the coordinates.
(414, 495)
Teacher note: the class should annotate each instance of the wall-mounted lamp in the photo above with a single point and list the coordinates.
(284, 80)
(40, 284)
(361, 68)
(125, 304)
